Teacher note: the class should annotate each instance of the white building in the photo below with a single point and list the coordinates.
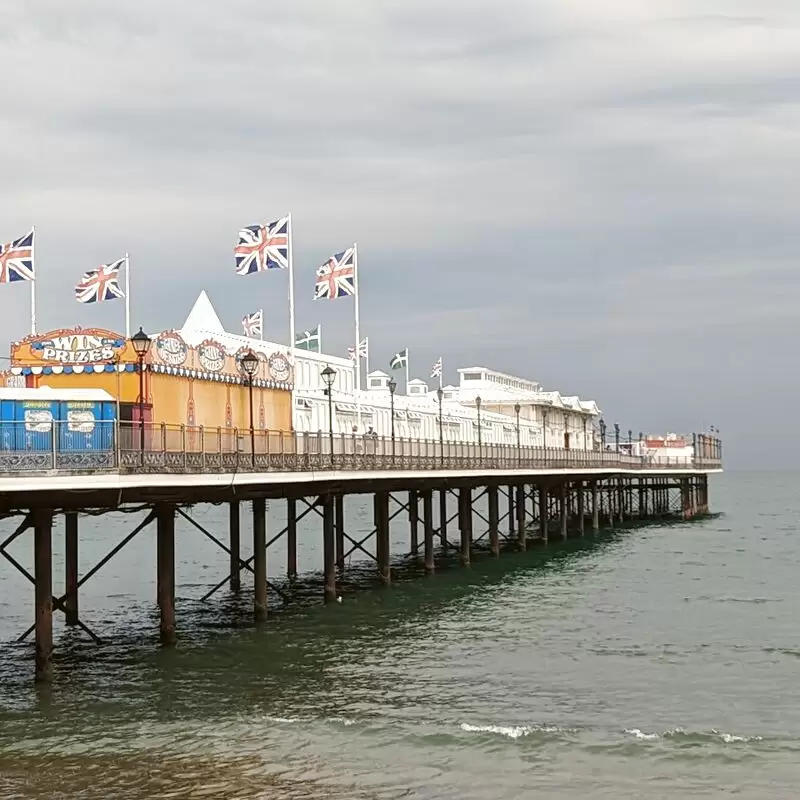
(512, 409)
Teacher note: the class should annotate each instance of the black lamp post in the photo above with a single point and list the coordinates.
(585, 445)
(544, 427)
(616, 436)
(630, 437)
(392, 389)
(517, 409)
(602, 434)
(249, 362)
(328, 376)
(141, 345)
(440, 395)
(480, 438)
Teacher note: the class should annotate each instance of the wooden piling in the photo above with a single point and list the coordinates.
(595, 508)
(165, 535)
(330, 520)
(260, 559)
(413, 522)
(562, 510)
(581, 509)
(339, 526)
(427, 515)
(465, 523)
(443, 519)
(71, 568)
(522, 526)
(291, 538)
(512, 512)
(494, 524)
(234, 533)
(383, 544)
(543, 517)
(43, 593)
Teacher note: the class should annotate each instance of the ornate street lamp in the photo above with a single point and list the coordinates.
(392, 390)
(440, 395)
(141, 345)
(616, 435)
(328, 375)
(585, 444)
(602, 434)
(544, 427)
(517, 409)
(480, 438)
(249, 364)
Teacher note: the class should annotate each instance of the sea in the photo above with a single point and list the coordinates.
(651, 661)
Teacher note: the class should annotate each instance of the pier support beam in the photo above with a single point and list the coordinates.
(339, 525)
(71, 568)
(413, 522)
(494, 521)
(291, 539)
(234, 533)
(543, 521)
(260, 559)
(165, 535)
(512, 513)
(43, 593)
(522, 529)
(562, 510)
(330, 508)
(595, 508)
(581, 509)
(443, 519)
(686, 501)
(382, 540)
(427, 517)
(465, 523)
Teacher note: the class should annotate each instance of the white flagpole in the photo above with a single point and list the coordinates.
(441, 370)
(261, 311)
(366, 361)
(127, 296)
(319, 338)
(408, 372)
(358, 355)
(33, 282)
(291, 292)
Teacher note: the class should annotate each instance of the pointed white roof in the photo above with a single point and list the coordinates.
(202, 317)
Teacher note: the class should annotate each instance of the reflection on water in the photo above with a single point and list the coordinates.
(655, 661)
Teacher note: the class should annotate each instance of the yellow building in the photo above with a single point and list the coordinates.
(191, 377)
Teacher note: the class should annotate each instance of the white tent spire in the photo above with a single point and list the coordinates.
(203, 317)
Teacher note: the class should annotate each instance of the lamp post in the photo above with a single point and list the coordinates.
(517, 409)
(249, 362)
(440, 395)
(544, 427)
(392, 389)
(480, 438)
(602, 434)
(141, 345)
(616, 436)
(328, 376)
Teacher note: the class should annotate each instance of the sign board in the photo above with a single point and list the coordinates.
(70, 347)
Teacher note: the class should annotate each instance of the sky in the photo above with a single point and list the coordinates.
(598, 196)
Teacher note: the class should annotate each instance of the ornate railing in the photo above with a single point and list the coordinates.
(162, 448)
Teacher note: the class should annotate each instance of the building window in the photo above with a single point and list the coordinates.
(472, 376)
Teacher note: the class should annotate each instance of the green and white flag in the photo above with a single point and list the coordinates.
(309, 340)
(399, 360)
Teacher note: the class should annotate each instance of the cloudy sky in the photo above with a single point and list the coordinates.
(599, 196)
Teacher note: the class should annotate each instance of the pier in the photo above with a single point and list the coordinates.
(504, 496)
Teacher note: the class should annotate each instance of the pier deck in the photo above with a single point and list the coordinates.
(519, 496)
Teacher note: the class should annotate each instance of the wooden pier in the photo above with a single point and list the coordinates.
(507, 496)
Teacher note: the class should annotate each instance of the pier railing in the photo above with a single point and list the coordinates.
(161, 448)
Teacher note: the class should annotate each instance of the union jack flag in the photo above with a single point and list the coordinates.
(337, 276)
(263, 247)
(363, 349)
(100, 284)
(16, 259)
(253, 324)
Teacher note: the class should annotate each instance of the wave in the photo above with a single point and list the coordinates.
(514, 731)
(682, 736)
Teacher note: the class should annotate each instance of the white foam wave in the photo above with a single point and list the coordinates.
(727, 738)
(511, 731)
(641, 735)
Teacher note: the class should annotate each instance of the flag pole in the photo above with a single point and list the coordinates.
(408, 371)
(33, 282)
(261, 311)
(319, 338)
(291, 293)
(127, 296)
(441, 370)
(358, 355)
(366, 362)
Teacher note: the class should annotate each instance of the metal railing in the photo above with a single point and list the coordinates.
(153, 448)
